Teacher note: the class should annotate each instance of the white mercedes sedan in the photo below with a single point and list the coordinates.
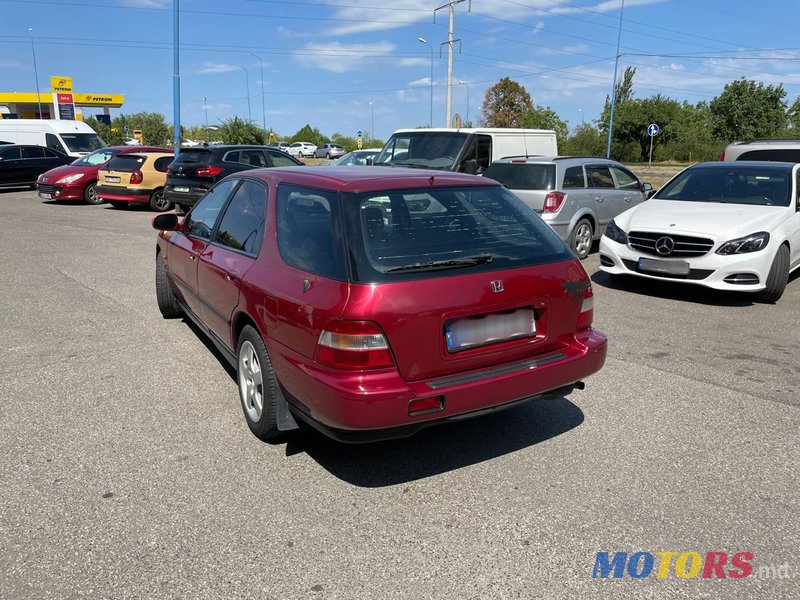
(724, 225)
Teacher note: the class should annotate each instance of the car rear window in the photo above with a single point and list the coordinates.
(520, 176)
(780, 155)
(195, 157)
(423, 233)
(127, 163)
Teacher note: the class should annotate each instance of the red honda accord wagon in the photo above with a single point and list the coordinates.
(371, 302)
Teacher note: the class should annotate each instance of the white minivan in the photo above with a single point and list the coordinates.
(74, 138)
(468, 150)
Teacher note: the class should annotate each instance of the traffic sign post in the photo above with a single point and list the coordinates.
(652, 130)
(359, 133)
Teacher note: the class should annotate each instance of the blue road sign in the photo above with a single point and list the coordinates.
(653, 129)
(359, 133)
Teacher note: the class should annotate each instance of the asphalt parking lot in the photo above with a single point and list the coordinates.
(128, 470)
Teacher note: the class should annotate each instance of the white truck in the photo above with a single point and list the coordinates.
(74, 138)
(469, 150)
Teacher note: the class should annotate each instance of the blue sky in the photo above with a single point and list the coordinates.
(339, 65)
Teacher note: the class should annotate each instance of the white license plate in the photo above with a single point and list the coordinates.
(180, 188)
(667, 267)
(46, 196)
(489, 329)
(112, 179)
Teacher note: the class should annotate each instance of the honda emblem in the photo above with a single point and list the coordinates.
(497, 285)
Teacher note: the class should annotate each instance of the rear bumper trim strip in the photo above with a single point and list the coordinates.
(495, 371)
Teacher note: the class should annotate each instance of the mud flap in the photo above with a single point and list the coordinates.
(283, 416)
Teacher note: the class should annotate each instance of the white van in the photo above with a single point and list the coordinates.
(74, 138)
(469, 150)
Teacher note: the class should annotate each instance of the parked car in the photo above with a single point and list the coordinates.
(576, 196)
(136, 178)
(282, 146)
(725, 226)
(21, 164)
(195, 170)
(302, 149)
(74, 138)
(776, 150)
(329, 151)
(357, 157)
(78, 180)
(371, 302)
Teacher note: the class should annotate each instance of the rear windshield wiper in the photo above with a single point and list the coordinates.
(451, 263)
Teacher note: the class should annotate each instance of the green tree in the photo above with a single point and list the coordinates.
(692, 140)
(631, 121)
(793, 119)
(309, 134)
(505, 104)
(110, 137)
(239, 131)
(747, 110)
(155, 130)
(587, 140)
(544, 117)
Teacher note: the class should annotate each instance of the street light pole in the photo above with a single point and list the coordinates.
(36, 73)
(263, 113)
(372, 112)
(464, 83)
(247, 84)
(205, 107)
(614, 83)
(424, 41)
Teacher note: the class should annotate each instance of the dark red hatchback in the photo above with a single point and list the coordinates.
(373, 302)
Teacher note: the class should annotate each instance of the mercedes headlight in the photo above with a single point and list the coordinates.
(751, 243)
(613, 232)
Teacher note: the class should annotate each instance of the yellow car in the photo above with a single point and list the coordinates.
(135, 178)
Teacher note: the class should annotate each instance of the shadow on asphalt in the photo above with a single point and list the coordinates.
(440, 449)
(432, 451)
(682, 292)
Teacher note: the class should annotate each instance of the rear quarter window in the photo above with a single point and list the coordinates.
(520, 176)
(574, 178)
(785, 155)
(162, 164)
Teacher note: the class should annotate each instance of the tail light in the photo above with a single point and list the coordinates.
(587, 309)
(354, 345)
(209, 171)
(722, 156)
(137, 177)
(553, 201)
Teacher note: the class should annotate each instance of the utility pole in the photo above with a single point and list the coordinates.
(205, 107)
(176, 79)
(263, 114)
(614, 84)
(36, 74)
(451, 9)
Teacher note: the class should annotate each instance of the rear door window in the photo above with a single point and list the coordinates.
(33, 152)
(599, 176)
(280, 159)
(242, 225)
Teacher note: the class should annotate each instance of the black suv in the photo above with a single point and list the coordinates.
(196, 169)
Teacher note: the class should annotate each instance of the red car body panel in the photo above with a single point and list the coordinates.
(291, 308)
(77, 189)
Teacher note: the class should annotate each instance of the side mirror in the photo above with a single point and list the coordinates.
(167, 222)
(471, 166)
(370, 162)
(648, 190)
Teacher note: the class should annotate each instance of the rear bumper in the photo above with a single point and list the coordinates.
(109, 192)
(60, 192)
(189, 198)
(375, 406)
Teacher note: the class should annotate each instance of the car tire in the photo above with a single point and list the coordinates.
(777, 278)
(328, 156)
(258, 388)
(165, 297)
(118, 204)
(90, 194)
(581, 238)
(158, 202)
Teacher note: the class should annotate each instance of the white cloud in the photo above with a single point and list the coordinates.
(211, 67)
(340, 58)
(148, 3)
(420, 82)
(602, 7)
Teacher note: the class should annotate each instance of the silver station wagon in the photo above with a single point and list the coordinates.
(576, 196)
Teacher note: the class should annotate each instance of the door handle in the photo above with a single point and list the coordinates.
(193, 257)
(231, 276)
(598, 198)
(627, 198)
